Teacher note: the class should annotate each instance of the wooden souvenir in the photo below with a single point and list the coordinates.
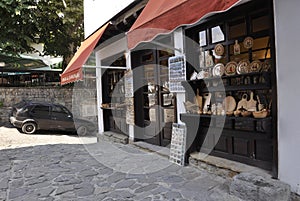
(219, 49)
(251, 104)
(236, 48)
(208, 59)
(242, 104)
(248, 42)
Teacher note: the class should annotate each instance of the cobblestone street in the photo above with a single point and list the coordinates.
(77, 172)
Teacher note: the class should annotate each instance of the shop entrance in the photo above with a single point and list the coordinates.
(154, 104)
(113, 95)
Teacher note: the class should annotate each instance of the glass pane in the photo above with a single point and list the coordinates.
(148, 57)
(262, 54)
(149, 71)
(237, 29)
(165, 52)
(41, 110)
(260, 23)
(260, 43)
(202, 38)
(217, 34)
(164, 73)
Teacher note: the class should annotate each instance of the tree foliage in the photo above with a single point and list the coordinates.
(58, 24)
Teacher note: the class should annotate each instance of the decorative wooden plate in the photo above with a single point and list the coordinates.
(248, 42)
(229, 104)
(243, 67)
(255, 66)
(218, 70)
(219, 49)
(230, 68)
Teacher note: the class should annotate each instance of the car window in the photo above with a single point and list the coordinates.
(41, 110)
(20, 104)
(59, 110)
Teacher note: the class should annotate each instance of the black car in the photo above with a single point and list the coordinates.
(31, 116)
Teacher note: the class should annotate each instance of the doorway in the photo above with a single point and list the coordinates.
(154, 104)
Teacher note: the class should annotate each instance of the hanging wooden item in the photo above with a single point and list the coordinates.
(242, 104)
(201, 58)
(198, 101)
(208, 59)
(248, 42)
(251, 104)
(230, 68)
(219, 49)
(236, 48)
(207, 98)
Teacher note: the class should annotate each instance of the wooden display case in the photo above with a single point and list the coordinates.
(245, 139)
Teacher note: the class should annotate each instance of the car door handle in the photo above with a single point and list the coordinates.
(54, 118)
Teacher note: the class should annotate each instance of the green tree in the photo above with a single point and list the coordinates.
(58, 24)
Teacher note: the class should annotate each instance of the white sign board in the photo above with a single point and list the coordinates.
(177, 73)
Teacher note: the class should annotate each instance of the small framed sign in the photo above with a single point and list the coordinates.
(177, 73)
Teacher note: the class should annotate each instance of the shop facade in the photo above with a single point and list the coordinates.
(241, 54)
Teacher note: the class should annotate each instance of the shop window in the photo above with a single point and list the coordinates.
(237, 29)
(202, 38)
(147, 57)
(165, 53)
(260, 23)
(217, 34)
(261, 43)
(149, 74)
(261, 55)
(261, 48)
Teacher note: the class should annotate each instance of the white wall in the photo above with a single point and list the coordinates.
(98, 12)
(180, 96)
(287, 34)
(102, 53)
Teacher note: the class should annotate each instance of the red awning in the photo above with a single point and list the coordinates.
(73, 72)
(164, 16)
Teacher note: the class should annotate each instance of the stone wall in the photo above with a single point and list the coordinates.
(75, 100)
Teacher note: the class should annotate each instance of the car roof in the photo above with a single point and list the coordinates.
(42, 103)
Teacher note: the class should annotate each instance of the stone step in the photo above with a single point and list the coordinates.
(247, 182)
(252, 187)
(112, 137)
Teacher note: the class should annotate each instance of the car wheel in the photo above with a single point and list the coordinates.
(82, 131)
(29, 127)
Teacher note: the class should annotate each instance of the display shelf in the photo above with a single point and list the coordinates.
(235, 137)
(266, 75)
(111, 108)
(207, 84)
(221, 117)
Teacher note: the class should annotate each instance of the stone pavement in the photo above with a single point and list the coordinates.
(102, 171)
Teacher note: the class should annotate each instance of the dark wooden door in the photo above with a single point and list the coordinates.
(153, 102)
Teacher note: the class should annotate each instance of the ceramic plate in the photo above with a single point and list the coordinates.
(243, 67)
(218, 70)
(248, 42)
(230, 68)
(219, 49)
(255, 66)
